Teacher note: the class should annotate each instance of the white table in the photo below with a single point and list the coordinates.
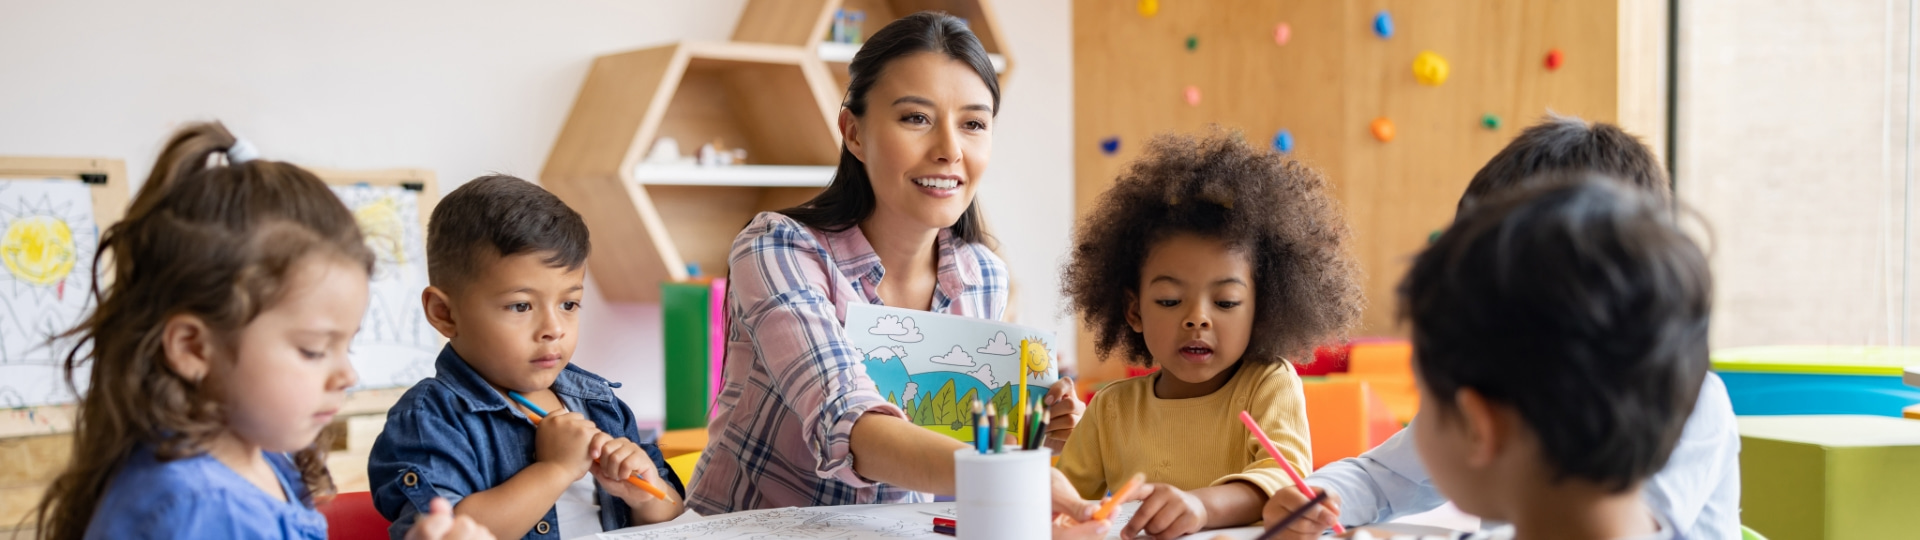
(1434, 522)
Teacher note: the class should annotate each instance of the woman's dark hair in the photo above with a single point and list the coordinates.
(207, 237)
(849, 198)
(1273, 209)
(1579, 303)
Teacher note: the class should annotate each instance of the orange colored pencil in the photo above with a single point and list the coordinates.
(538, 415)
(1107, 508)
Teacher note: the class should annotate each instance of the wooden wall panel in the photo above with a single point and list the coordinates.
(1331, 80)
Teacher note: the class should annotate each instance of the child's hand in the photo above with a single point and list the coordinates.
(621, 459)
(1066, 499)
(1165, 512)
(1063, 412)
(565, 439)
(441, 524)
(1288, 499)
(1088, 530)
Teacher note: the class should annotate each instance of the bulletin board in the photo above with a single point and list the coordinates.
(52, 211)
(1324, 72)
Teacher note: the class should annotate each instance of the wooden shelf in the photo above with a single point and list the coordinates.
(842, 53)
(814, 176)
(768, 91)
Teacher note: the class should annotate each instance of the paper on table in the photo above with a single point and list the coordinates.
(780, 524)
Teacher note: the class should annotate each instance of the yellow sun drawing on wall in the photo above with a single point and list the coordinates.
(381, 223)
(38, 250)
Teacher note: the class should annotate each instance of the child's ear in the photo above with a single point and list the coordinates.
(439, 311)
(1133, 311)
(850, 133)
(1486, 427)
(188, 344)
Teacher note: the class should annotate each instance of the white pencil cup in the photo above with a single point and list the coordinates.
(1003, 496)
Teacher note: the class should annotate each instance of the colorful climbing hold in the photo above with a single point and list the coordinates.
(1554, 59)
(1193, 42)
(1490, 121)
(1149, 7)
(1430, 68)
(1282, 33)
(1110, 145)
(1382, 129)
(1383, 25)
(1283, 141)
(1193, 95)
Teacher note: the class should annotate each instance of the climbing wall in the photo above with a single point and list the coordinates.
(1398, 101)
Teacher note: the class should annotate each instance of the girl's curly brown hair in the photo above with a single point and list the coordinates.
(1274, 208)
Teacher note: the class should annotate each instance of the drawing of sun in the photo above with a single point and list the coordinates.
(384, 229)
(38, 249)
(47, 243)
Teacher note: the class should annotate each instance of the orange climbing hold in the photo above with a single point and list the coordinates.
(1383, 129)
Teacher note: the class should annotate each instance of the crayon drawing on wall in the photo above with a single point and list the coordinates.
(934, 365)
(47, 243)
(396, 346)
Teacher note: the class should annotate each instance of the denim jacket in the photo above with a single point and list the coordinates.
(453, 435)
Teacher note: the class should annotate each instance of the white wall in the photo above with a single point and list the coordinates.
(463, 88)
(1792, 143)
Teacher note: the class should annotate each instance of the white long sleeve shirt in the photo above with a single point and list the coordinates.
(1699, 489)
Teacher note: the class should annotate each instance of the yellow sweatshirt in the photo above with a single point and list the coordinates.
(1190, 443)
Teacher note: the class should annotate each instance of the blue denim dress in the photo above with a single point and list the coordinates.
(453, 435)
(199, 497)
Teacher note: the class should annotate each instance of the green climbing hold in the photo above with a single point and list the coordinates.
(1193, 43)
(1490, 121)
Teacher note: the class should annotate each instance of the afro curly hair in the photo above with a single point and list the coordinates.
(1273, 208)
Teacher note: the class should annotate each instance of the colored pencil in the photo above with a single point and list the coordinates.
(1041, 441)
(1035, 433)
(1113, 502)
(1284, 466)
(540, 414)
(1023, 393)
(1000, 435)
(980, 435)
(976, 423)
(1274, 530)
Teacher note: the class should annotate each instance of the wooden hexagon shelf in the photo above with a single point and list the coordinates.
(776, 102)
(774, 91)
(806, 22)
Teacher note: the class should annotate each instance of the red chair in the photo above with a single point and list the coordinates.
(350, 516)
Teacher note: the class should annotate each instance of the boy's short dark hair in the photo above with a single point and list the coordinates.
(1271, 207)
(500, 215)
(1564, 144)
(1580, 303)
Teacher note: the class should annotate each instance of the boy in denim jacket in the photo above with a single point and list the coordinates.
(505, 260)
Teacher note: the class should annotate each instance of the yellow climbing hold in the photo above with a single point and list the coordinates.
(1430, 68)
(1149, 7)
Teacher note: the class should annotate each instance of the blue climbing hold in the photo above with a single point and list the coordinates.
(1383, 24)
(1110, 145)
(1283, 141)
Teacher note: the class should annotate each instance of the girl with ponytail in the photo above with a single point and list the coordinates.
(216, 355)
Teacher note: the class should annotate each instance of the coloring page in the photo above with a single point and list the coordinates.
(934, 365)
(395, 347)
(781, 524)
(47, 242)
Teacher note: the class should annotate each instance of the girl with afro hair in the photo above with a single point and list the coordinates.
(1222, 264)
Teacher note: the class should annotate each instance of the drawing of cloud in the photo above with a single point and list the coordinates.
(998, 346)
(958, 357)
(985, 374)
(913, 389)
(897, 329)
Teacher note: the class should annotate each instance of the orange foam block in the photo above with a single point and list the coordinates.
(1388, 368)
(1345, 418)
